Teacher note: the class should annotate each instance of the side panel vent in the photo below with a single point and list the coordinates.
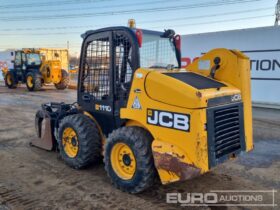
(225, 132)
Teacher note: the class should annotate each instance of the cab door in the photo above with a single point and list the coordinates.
(18, 64)
(108, 62)
(126, 62)
(18, 61)
(95, 89)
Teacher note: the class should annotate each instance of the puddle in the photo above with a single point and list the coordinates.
(264, 154)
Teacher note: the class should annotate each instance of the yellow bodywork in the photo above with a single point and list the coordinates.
(180, 155)
(56, 54)
(235, 70)
(52, 54)
(51, 71)
(53, 61)
(5, 70)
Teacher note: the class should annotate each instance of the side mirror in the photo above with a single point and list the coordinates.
(12, 53)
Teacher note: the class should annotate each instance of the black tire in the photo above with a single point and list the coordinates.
(139, 141)
(63, 84)
(36, 82)
(10, 80)
(89, 141)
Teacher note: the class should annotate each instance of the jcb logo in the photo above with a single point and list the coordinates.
(236, 97)
(168, 119)
(105, 108)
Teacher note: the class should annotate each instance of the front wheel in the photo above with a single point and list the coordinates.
(10, 81)
(33, 81)
(128, 159)
(64, 82)
(79, 141)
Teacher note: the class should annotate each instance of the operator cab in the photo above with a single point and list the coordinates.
(25, 60)
(110, 56)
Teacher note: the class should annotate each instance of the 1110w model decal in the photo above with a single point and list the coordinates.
(167, 119)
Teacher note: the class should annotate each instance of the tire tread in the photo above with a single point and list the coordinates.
(89, 141)
(141, 139)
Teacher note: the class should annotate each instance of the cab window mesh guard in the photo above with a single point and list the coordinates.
(123, 70)
(95, 78)
(157, 52)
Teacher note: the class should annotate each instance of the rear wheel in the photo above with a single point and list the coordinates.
(128, 159)
(10, 81)
(64, 82)
(79, 141)
(33, 81)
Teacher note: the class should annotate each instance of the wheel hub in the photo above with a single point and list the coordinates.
(74, 141)
(123, 161)
(29, 81)
(70, 142)
(126, 159)
(9, 80)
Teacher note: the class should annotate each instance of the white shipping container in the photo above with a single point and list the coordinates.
(261, 45)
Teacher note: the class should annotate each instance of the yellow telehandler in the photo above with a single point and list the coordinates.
(146, 116)
(32, 68)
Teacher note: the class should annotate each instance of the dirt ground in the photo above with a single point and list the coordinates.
(31, 178)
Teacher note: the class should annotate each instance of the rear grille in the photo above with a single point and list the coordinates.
(225, 132)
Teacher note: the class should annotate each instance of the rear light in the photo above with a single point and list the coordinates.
(139, 36)
(178, 41)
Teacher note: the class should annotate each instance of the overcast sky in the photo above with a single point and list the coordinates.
(51, 23)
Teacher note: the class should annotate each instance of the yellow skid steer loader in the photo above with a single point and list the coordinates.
(152, 118)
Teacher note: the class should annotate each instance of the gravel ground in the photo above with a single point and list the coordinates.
(31, 178)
